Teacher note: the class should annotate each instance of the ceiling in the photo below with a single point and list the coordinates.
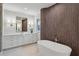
(29, 8)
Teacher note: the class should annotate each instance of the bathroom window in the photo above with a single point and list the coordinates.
(38, 24)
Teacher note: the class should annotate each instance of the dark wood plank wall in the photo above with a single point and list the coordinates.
(0, 26)
(61, 21)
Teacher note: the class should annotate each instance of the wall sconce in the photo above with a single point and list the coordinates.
(11, 22)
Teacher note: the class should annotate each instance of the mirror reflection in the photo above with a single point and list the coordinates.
(21, 24)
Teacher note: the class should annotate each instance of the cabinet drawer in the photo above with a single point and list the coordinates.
(10, 41)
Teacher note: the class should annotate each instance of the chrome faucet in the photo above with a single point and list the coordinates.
(56, 38)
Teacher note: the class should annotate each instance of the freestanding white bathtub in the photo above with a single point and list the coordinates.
(57, 49)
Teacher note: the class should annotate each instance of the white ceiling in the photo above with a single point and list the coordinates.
(32, 8)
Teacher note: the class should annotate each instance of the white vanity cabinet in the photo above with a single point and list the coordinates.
(31, 38)
(10, 41)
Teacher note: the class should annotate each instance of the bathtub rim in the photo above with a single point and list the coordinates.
(67, 47)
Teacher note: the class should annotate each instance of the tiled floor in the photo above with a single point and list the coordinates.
(28, 50)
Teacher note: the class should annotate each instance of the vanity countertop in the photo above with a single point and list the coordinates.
(21, 33)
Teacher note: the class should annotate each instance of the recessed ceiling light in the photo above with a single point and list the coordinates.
(25, 8)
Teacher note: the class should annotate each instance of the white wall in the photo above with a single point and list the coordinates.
(10, 15)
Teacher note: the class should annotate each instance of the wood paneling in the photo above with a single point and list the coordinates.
(0, 26)
(61, 21)
(24, 25)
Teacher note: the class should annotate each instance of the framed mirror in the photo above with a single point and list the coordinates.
(21, 24)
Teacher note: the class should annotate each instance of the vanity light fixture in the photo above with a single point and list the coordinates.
(11, 22)
(25, 8)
